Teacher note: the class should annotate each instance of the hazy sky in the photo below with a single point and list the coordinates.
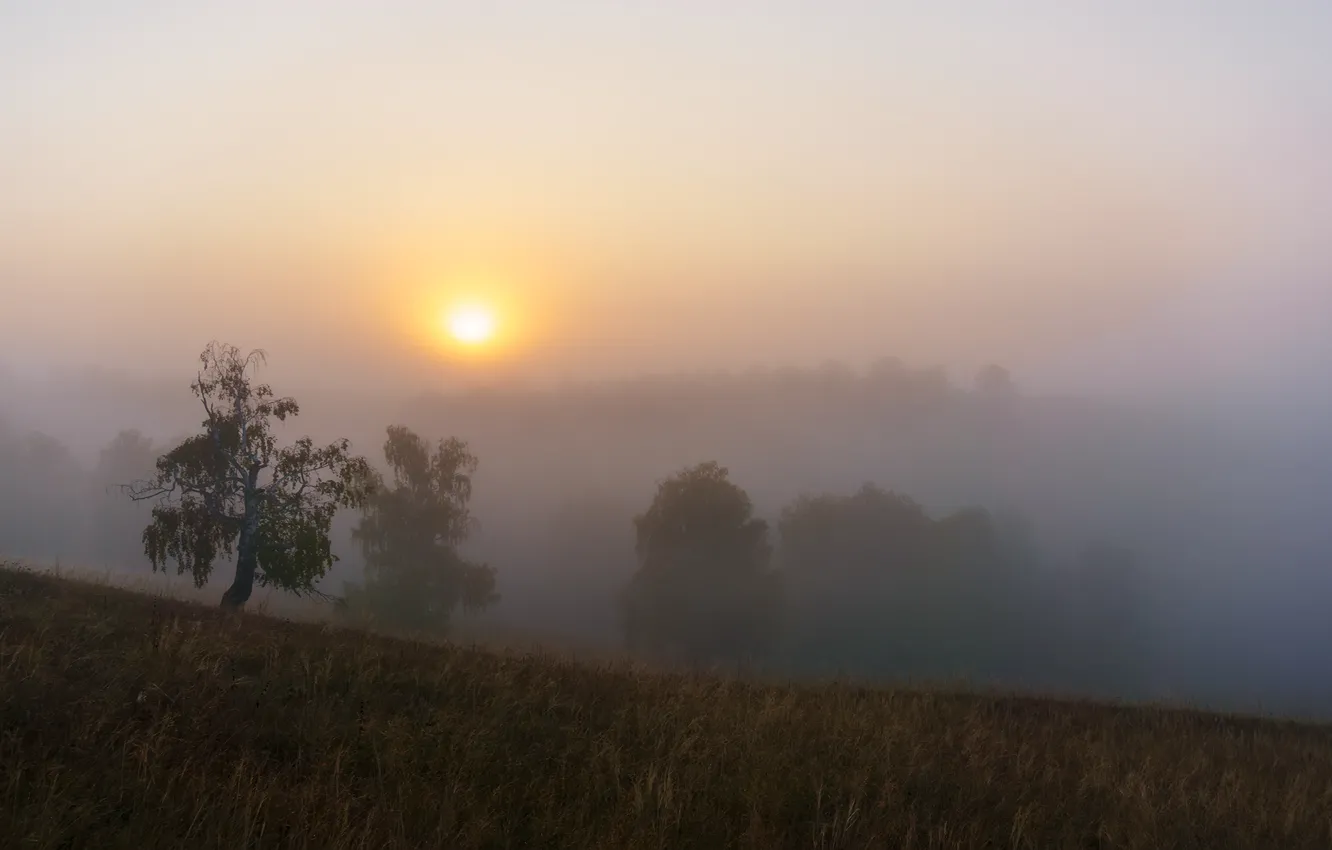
(661, 185)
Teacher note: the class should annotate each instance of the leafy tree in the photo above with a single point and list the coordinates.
(232, 490)
(704, 590)
(410, 533)
(855, 536)
(856, 567)
(877, 585)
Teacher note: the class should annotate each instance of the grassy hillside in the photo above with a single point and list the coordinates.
(139, 722)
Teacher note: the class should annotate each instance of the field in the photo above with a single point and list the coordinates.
(137, 721)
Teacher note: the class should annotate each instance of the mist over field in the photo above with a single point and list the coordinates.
(1223, 506)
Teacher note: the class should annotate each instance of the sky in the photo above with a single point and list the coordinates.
(1131, 191)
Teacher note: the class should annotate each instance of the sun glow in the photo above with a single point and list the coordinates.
(471, 324)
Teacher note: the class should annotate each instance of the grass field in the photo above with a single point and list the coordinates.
(137, 721)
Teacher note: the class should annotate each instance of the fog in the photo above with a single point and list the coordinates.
(786, 241)
(1225, 513)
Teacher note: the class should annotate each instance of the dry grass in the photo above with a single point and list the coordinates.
(138, 722)
(473, 630)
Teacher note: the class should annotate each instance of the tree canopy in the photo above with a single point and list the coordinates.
(233, 490)
(704, 590)
(410, 534)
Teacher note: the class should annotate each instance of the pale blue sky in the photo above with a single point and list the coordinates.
(788, 181)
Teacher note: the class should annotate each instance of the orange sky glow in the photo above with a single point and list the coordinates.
(629, 190)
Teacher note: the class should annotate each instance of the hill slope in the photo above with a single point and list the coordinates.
(134, 721)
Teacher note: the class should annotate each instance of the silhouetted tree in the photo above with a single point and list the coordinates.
(855, 536)
(233, 490)
(704, 590)
(878, 586)
(410, 533)
(856, 567)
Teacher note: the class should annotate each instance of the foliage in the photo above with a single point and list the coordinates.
(871, 531)
(703, 590)
(232, 490)
(410, 533)
(863, 576)
(877, 587)
(141, 722)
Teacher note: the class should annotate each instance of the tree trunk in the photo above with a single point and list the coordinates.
(239, 592)
(247, 559)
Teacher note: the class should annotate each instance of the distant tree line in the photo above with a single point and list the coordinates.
(52, 507)
(866, 583)
(870, 584)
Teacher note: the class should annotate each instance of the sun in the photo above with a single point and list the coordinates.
(471, 324)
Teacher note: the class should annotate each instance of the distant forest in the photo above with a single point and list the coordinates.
(883, 523)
